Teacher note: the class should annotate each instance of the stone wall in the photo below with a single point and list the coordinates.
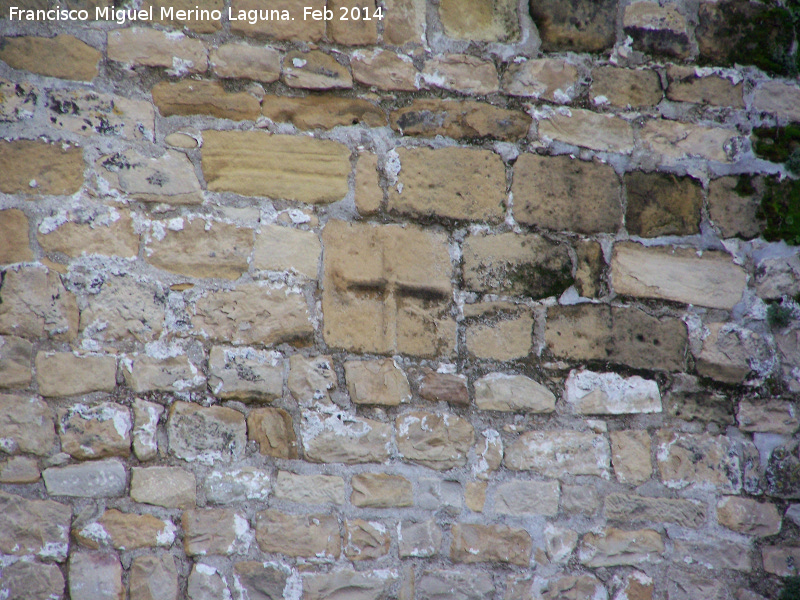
(480, 300)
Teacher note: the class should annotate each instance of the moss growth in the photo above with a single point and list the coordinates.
(778, 316)
(791, 589)
(793, 162)
(538, 281)
(744, 186)
(777, 144)
(780, 208)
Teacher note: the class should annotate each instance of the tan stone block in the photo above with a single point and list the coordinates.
(498, 391)
(554, 453)
(735, 210)
(17, 100)
(419, 539)
(152, 48)
(778, 98)
(272, 429)
(479, 21)
(686, 86)
(322, 112)
(674, 141)
(589, 393)
(489, 454)
(662, 204)
(253, 163)
(625, 87)
(301, 535)
(90, 113)
(613, 547)
(628, 509)
(490, 543)
(577, 27)
(65, 374)
(15, 362)
(256, 578)
(559, 543)
(475, 495)
(714, 554)
(580, 127)
(550, 79)
(657, 29)
(438, 442)
(26, 425)
(315, 70)
(35, 305)
(233, 61)
(345, 29)
(444, 387)
(95, 431)
(206, 435)
(580, 587)
(520, 498)
(169, 178)
(725, 355)
(365, 540)
(589, 272)
(311, 379)
(630, 455)
(698, 460)
(562, 193)
(40, 168)
(377, 382)
(174, 8)
(125, 531)
(19, 469)
(107, 236)
(14, 233)
(387, 289)
(368, 193)
(153, 578)
(677, 274)
(300, 29)
(34, 527)
(505, 336)
(475, 188)
(346, 583)
(123, 307)
(95, 576)
(384, 69)
(63, 56)
(404, 22)
(245, 373)
(781, 561)
(193, 97)
(772, 416)
(214, 531)
(380, 490)
(341, 438)
(454, 585)
(273, 315)
(170, 487)
(171, 374)
(750, 517)
(461, 73)
(309, 489)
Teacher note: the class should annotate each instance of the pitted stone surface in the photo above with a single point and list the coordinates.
(439, 442)
(555, 453)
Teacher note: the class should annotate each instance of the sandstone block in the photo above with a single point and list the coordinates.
(475, 495)
(519, 498)
(34, 527)
(322, 112)
(215, 531)
(124, 307)
(686, 86)
(237, 485)
(125, 531)
(419, 539)
(26, 425)
(34, 581)
(504, 332)
(559, 543)
(589, 271)
(625, 87)
(153, 578)
(454, 585)
(353, 32)
(75, 60)
(579, 587)
(561, 193)
(699, 460)
(498, 391)
(662, 204)
(152, 48)
(580, 127)
(630, 455)
(461, 73)
(315, 70)
(170, 487)
(17, 100)
(550, 79)
(193, 97)
(444, 387)
(675, 141)
(438, 442)
(297, 30)
(490, 543)
(253, 163)
(309, 489)
(65, 374)
(628, 509)
(405, 22)
(311, 379)
(781, 561)
(657, 29)
(341, 438)
(480, 21)
(678, 275)
(259, 581)
(40, 168)
(778, 98)
(365, 540)
(95, 576)
(750, 517)
(384, 69)
(97, 479)
(580, 499)
(15, 362)
(168, 374)
(577, 26)
(719, 554)
(380, 490)
(110, 234)
(377, 382)
(614, 547)
(95, 431)
(170, 178)
(553, 453)
(591, 393)
(273, 430)
(773, 416)
(207, 583)
(287, 249)
(206, 435)
(198, 25)
(14, 230)
(145, 428)
(301, 535)
(355, 585)
(245, 373)
(243, 61)
(726, 352)
(90, 113)
(368, 193)
(734, 210)
(19, 469)
(438, 495)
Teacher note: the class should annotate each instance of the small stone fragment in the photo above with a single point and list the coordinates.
(301, 535)
(365, 540)
(377, 382)
(630, 455)
(245, 373)
(206, 435)
(273, 430)
(517, 393)
(315, 70)
(419, 539)
(490, 543)
(438, 442)
(443, 387)
(153, 578)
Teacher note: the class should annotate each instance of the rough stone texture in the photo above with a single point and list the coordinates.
(76, 60)
(26, 425)
(405, 22)
(237, 485)
(725, 355)
(549, 79)
(34, 527)
(40, 168)
(461, 73)
(446, 496)
(661, 204)
(614, 547)
(98, 479)
(346, 584)
(498, 391)
(419, 539)
(315, 70)
(554, 453)
(577, 587)
(309, 489)
(206, 583)
(490, 543)
(233, 61)
(342, 438)
(124, 306)
(365, 540)
(454, 585)
(90, 113)
(438, 442)
(192, 97)
(579, 127)
(199, 25)
(74, 239)
(169, 374)
(95, 431)
(520, 498)
(677, 274)
(125, 531)
(206, 435)
(687, 585)
(31, 580)
(322, 112)
(475, 189)
(368, 194)
(19, 469)
(445, 387)
(153, 578)
(504, 332)
(297, 30)
(311, 379)
(734, 212)
(245, 373)
(376, 382)
(699, 460)
(95, 576)
(459, 119)
(353, 32)
(657, 29)
(215, 531)
(14, 230)
(625, 87)
(151, 48)
(379, 490)
(781, 561)
(17, 100)
(632, 509)
(562, 193)
(253, 163)
(301, 535)
(575, 26)
(630, 455)
(480, 21)
(773, 416)
(259, 581)
(758, 519)
(169, 178)
(384, 70)
(170, 487)
(489, 452)
(674, 141)
(591, 393)
(686, 86)
(272, 430)
(778, 98)
(65, 374)
(718, 555)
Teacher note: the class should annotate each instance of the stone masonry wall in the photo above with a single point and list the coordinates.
(484, 299)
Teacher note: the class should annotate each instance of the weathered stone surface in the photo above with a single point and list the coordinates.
(778, 98)
(253, 163)
(380, 490)
(559, 543)
(19, 469)
(163, 373)
(520, 498)
(245, 373)
(759, 519)
(40, 168)
(237, 485)
(675, 141)
(405, 22)
(376, 382)
(625, 87)
(580, 499)
(215, 531)
(17, 100)
(300, 535)
(315, 70)
(34, 527)
(76, 60)
(90, 113)
(461, 73)
(311, 379)
(253, 314)
(152, 48)
(776, 277)
(95, 431)
(499, 330)
(387, 289)
(686, 86)
(580, 127)
(419, 539)
(124, 307)
(297, 30)
(384, 69)
(554, 453)
(480, 21)
(445, 387)
(344, 438)
(170, 487)
(550, 79)
(193, 97)
(562, 193)
(781, 561)
(206, 435)
(14, 231)
(700, 460)
(591, 393)
(460, 119)
(259, 581)
(365, 540)
(97, 479)
(657, 29)
(575, 26)
(475, 495)
(725, 353)
(662, 204)
(631, 509)
(438, 495)
(577, 587)
(309, 489)
(689, 400)
(126, 531)
(614, 547)
(26, 425)
(172, 18)
(677, 274)
(688, 585)
(169, 178)
(65, 374)
(438, 442)
(106, 234)
(153, 578)
(489, 454)
(498, 391)
(95, 576)
(454, 585)
(243, 61)
(474, 190)
(30, 580)
(207, 583)
(368, 193)
(490, 543)
(348, 585)
(772, 416)
(273, 430)
(719, 554)
(353, 32)
(322, 112)
(630, 455)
